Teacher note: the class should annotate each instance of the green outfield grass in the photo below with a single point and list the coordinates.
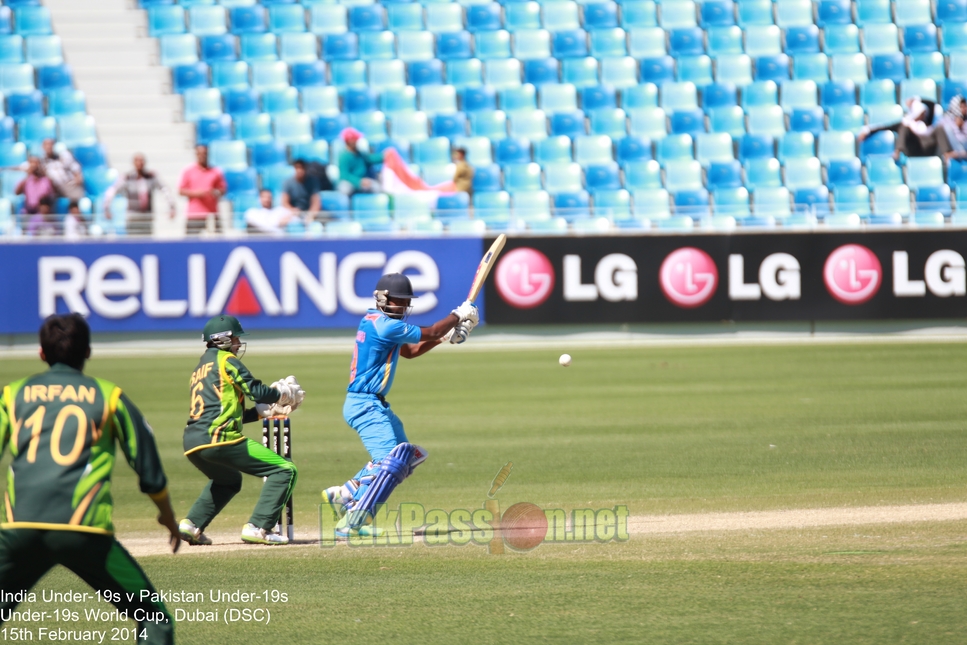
(661, 430)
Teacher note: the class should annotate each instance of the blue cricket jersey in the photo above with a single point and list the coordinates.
(377, 351)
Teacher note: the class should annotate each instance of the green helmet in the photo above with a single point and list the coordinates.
(220, 330)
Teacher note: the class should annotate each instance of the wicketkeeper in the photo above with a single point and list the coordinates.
(63, 429)
(214, 442)
(383, 336)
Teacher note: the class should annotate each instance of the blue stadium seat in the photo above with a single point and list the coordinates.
(693, 203)
(643, 175)
(522, 177)
(644, 95)
(453, 206)
(718, 95)
(600, 15)
(798, 95)
(755, 13)
(473, 99)
(248, 20)
(638, 13)
(367, 18)
(803, 173)
(933, 198)
(33, 130)
(530, 124)
(76, 130)
(340, 47)
(735, 70)
(727, 118)
(207, 20)
(760, 94)
(568, 124)
(924, 171)
(688, 122)
(772, 68)
(184, 77)
(834, 12)
(632, 149)
(717, 13)
(849, 67)
(562, 178)
(836, 146)
(724, 41)
(674, 147)
(797, 145)
(87, 156)
(919, 38)
(847, 118)
(541, 71)
(880, 39)
(580, 72)
(319, 100)
(66, 101)
(239, 101)
(714, 147)
(572, 206)
(218, 48)
(450, 125)
(492, 125)
(176, 49)
(695, 69)
(31, 20)
(602, 177)
(892, 199)
(360, 99)
(763, 41)
(841, 39)
(928, 65)
(838, 93)
(287, 19)
(415, 45)
(951, 11)
(724, 174)
(731, 201)
(326, 19)
(687, 42)
(492, 45)
(513, 150)
(891, 67)
(653, 70)
(483, 17)
(647, 122)
(608, 43)
(230, 74)
(802, 40)
(438, 99)
(561, 16)
(465, 73)
(371, 124)
(610, 122)
(410, 126)
(502, 73)
(12, 49)
(811, 67)
(756, 146)
(254, 128)
(912, 12)
(453, 46)
(554, 149)
(268, 153)
(954, 37)
(166, 20)
(592, 150)
(771, 203)
(432, 151)
(443, 18)
(814, 200)
(406, 17)
(278, 101)
(329, 126)
(377, 45)
(558, 98)
(873, 12)
(647, 42)
(844, 172)
(807, 120)
(264, 47)
(199, 102)
(25, 104)
(570, 44)
(762, 173)
(676, 15)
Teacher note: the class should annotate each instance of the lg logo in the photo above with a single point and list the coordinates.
(525, 278)
(852, 274)
(688, 277)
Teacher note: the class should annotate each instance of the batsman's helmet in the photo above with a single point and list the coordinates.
(220, 330)
(393, 285)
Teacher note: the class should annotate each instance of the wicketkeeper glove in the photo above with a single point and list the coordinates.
(267, 410)
(297, 392)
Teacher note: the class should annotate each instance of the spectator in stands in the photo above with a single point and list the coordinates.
(43, 222)
(63, 171)
(203, 186)
(34, 187)
(463, 177)
(139, 186)
(951, 138)
(916, 133)
(266, 218)
(300, 193)
(74, 225)
(357, 172)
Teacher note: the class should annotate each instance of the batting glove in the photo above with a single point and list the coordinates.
(467, 311)
(460, 333)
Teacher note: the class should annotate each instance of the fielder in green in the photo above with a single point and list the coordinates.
(214, 442)
(63, 429)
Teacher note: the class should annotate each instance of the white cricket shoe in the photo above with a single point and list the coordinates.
(192, 534)
(256, 535)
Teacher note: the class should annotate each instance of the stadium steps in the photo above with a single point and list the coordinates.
(128, 93)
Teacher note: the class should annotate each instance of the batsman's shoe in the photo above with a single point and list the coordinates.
(344, 531)
(192, 534)
(257, 535)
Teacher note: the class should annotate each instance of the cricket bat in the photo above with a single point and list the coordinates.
(486, 264)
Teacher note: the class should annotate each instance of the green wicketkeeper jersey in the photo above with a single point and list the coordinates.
(218, 388)
(62, 428)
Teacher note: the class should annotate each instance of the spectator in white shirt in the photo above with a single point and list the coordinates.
(267, 218)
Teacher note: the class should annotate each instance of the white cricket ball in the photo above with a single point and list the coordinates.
(564, 360)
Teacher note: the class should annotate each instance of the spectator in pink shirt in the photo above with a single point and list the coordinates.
(203, 186)
(35, 186)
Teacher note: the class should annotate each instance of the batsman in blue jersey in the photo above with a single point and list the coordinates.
(383, 336)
